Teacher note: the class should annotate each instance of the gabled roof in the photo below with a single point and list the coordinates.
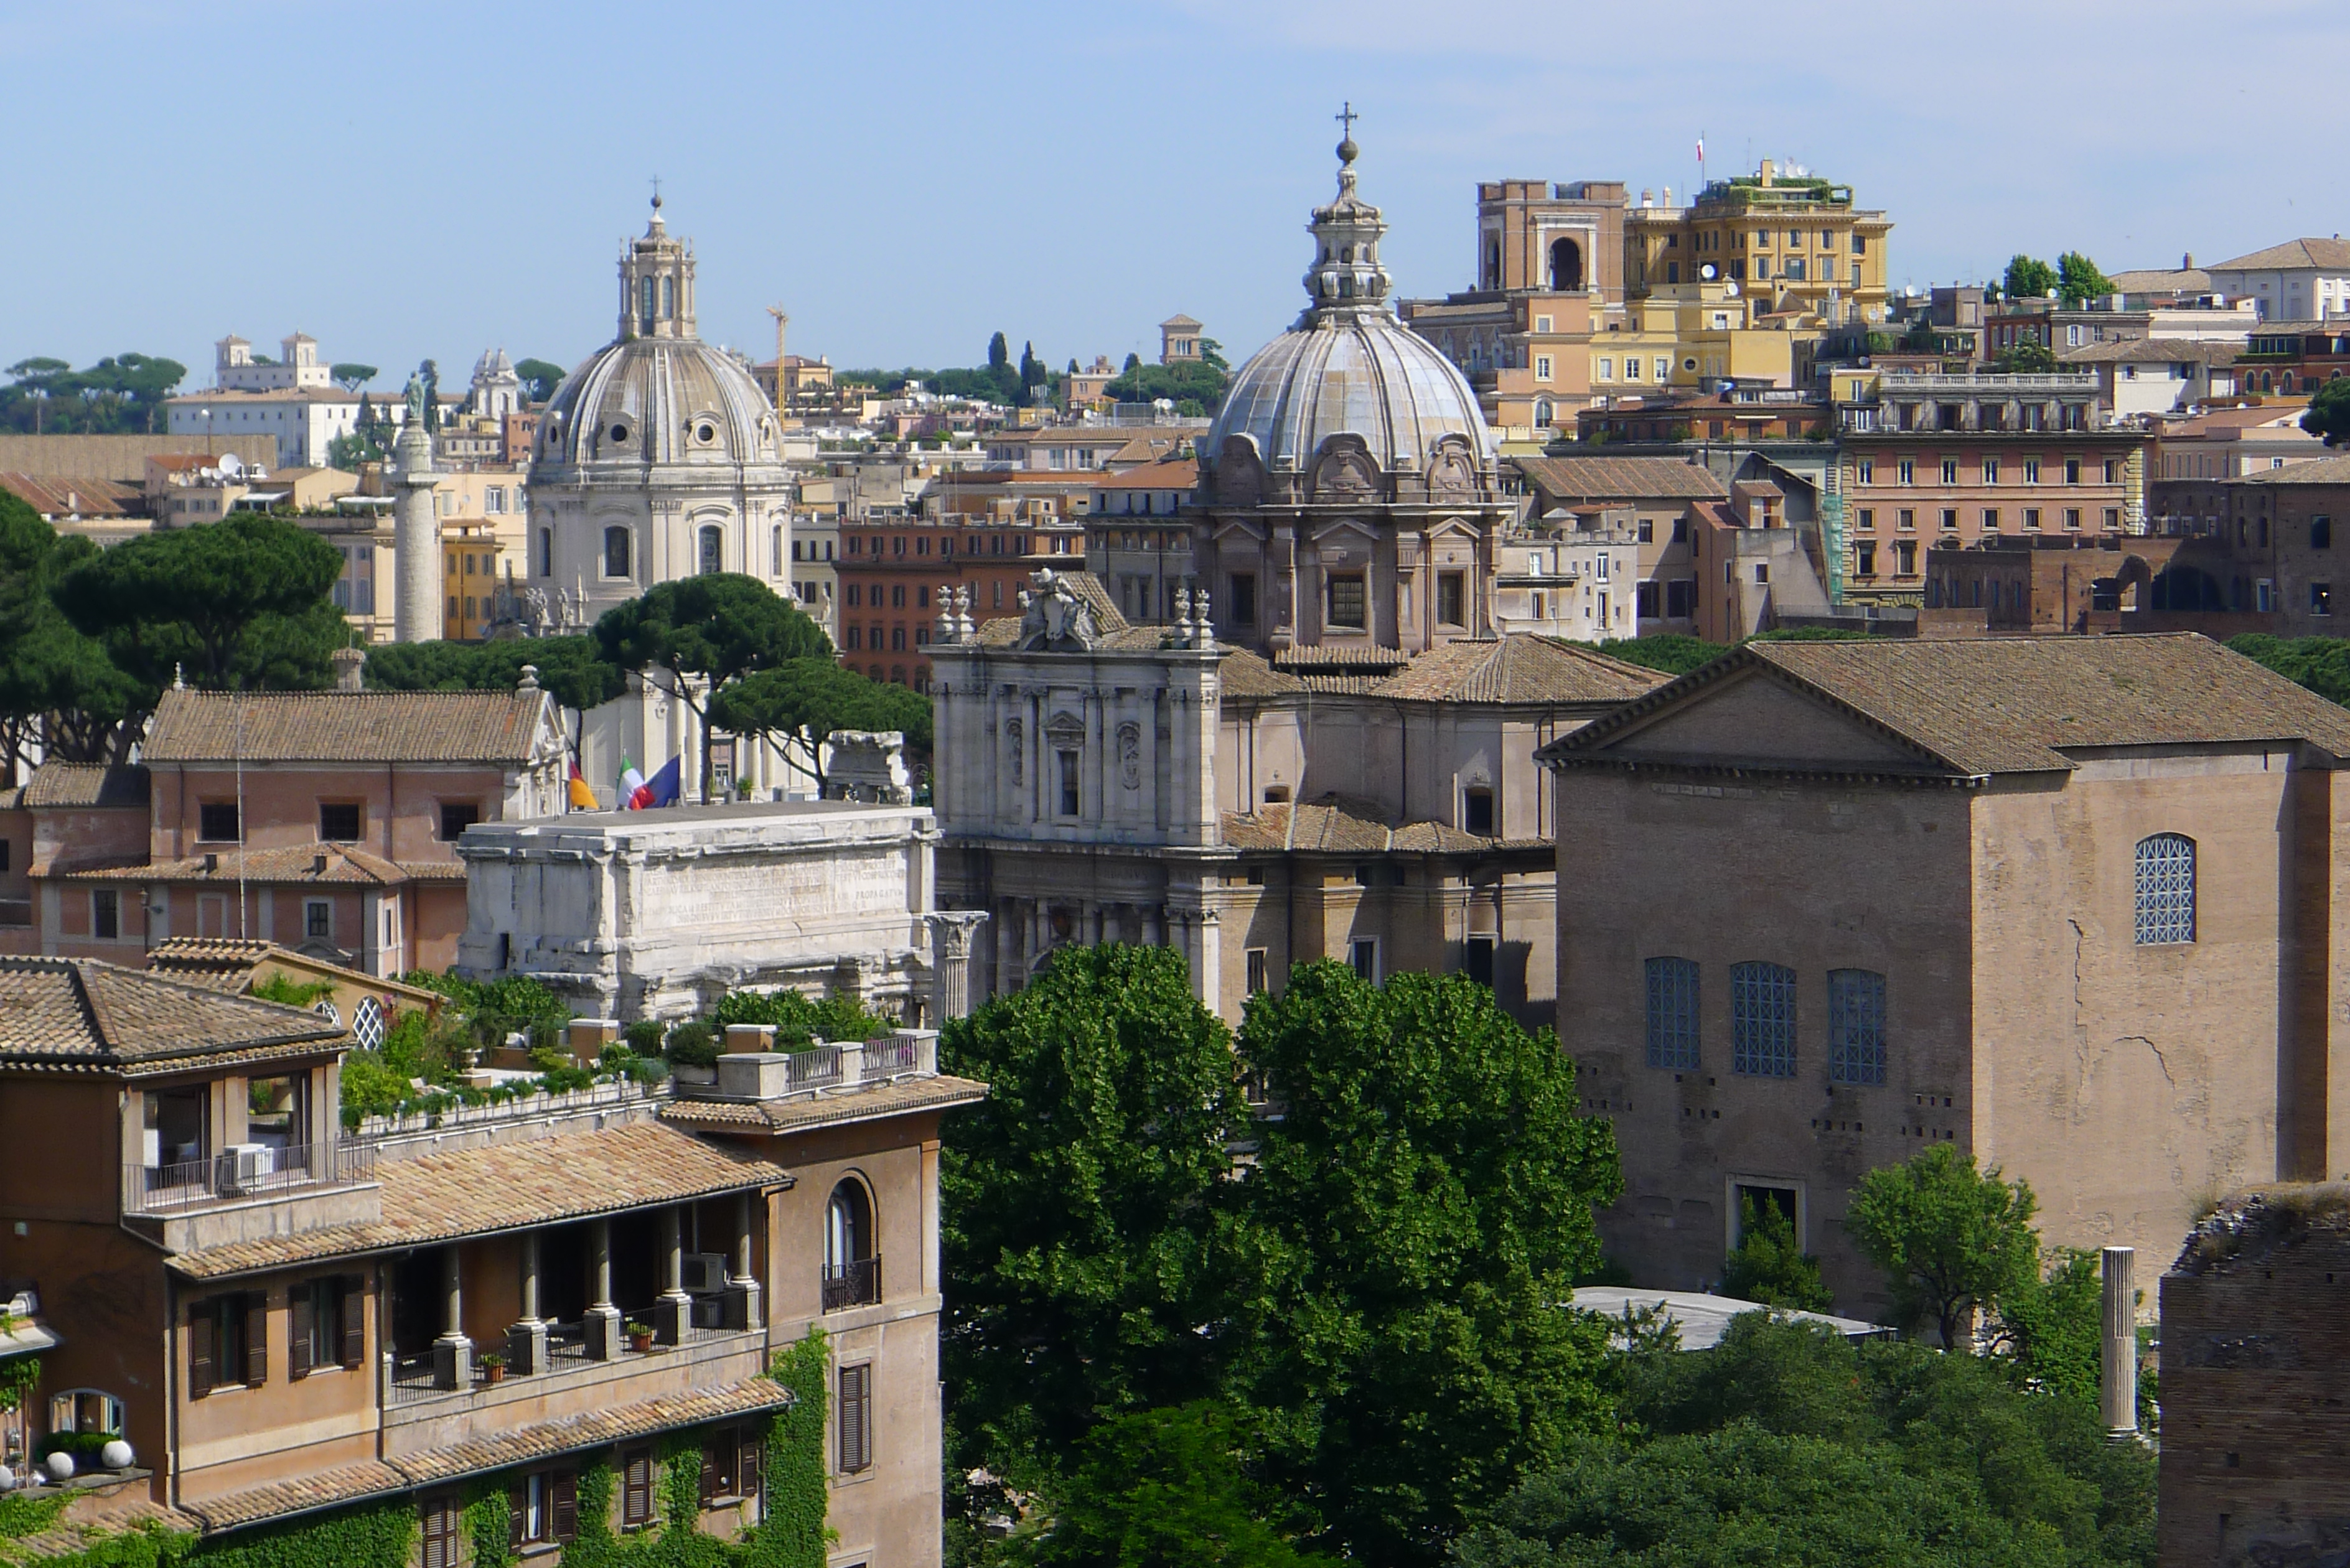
(1998, 705)
(68, 785)
(306, 864)
(52, 495)
(2332, 255)
(502, 728)
(2153, 350)
(1338, 824)
(1520, 668)
(228, 964)
(1621, 478)
(1160, 473)
(83, 1013)
(2316, 470)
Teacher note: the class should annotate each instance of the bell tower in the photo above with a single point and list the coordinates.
(1347, 273)
(655, 283)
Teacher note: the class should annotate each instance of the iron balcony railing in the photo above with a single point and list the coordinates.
(852, 1284)
(243, 1171)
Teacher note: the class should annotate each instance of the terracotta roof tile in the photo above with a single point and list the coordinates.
(83, 1012)
(293, 863)
(226, 963)
(1520, 668)
(2332, 254)
(1620, 478)
(2017, 704)
(506, 1186)
(516, 1445)
(858, 1104)
(2316, 470)
(71, 784)
(481, 727)
(54, 495)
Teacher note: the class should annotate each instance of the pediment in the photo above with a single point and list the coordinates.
(1754, 721)
(1345, 531)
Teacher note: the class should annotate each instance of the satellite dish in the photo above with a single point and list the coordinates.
(1709, 272)
(1730, 289)
(231, 464)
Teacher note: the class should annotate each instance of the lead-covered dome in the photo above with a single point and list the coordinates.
(1348, 366)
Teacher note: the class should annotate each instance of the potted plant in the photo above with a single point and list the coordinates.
(641, 1335)
(493, 1367)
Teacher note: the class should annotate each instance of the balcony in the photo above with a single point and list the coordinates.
(244, 1172)
(852, 1284)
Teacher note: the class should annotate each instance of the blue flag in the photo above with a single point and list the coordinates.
(665, 785)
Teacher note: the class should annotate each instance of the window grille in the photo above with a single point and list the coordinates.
(1672, 1013)
(2165, 889)
(1855, 1026)
(1762, 1020)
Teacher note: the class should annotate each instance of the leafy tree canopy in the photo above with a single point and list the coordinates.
(124, 393)
(2078, 279)
(352, 376)
(802, 701)
(1676, 654)
(2319, 663)
(2028, 277)
(1949, 1237)
(539, 378)
(58, 689)
(2328, 414)
(1769, 1267)
(234, 601)
(797, 1019)
(1200, 383)
(2031, 359)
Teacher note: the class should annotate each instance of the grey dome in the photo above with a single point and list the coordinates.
(1360, 372)
(658, 400)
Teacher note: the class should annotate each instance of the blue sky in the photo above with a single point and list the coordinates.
(406, 179)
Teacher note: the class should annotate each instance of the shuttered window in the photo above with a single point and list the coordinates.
(856, 1419)
(636, 1489)
(302, 1305)
(545, 1508)
(204, 1364)
(351, 1301)
(256, 1340)
(441, 1517)
(228, 1343)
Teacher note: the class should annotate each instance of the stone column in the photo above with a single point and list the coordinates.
(452, 1352)
(416, 539)
(952, 933)
(2119, 1389)
(526, 1340)
(673, 1311)
(602, 1328)
(742, 1296)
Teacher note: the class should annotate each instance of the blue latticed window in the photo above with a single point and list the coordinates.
(1855, 1026)
(1672, 1013)
(2165, 889)
(1762, 1020)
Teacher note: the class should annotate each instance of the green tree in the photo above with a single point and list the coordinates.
(223, 598)
(1094, 1261)
(1201, 383)
(999, 354)
(1767, 1266)
(540, 379)
(1426, 1195)
(2051, 1324)
(58, 689)
(800, 703)
(1166, 1488)
(2028, 277)
(572, 669)
(352, 376)
(1670, 652)
(2320, 663)
(2078, 279)
(1133, 362)
(2028, 358)
(2328, 414)
(720, 626)
(1949, 1237)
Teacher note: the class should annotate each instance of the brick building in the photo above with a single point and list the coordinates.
(2069, 903)
(2282, 532)
(2256, 1383)
(1661, 493)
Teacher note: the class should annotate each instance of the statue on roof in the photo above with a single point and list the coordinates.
(415, 394)
(1055, 618)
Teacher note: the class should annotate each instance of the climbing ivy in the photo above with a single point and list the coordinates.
(793, 1535)
(489, 1523)
(378, 1536)
(17, 1377)
(24, 1513)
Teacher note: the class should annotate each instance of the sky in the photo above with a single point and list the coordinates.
(407, 179)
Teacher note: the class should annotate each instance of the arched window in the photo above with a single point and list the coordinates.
(713, 549)
(2165, 889)
(1672, 1013)
(367, 1023)
(1565, 267)
(616, 552)
(1762, 1020)
(1855, 1026)
(852, 1267)
(647, 310)
(85, 1410)
(669, 296)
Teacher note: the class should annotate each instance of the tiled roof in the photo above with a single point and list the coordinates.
(507, 1186)
(1519, 668)
(226, 963)
(2316, 470)
(1620, 478)
(1246, 674)
(515, 1446)
(1164, 474)
(345, 865)
(2331, 254)
(1336, 824)
(858, 1104)
(2160, 280)
(68, 784)
(1997, 705)
(54, 495)
(2152, 350)
(346, 727)
(82, 1012)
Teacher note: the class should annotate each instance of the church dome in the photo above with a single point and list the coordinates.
(657, 394)
(1348, 366)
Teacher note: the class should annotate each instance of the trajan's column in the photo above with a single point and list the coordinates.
(416, 529)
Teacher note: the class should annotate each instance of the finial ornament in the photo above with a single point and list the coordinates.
(657, 200)
(1346, 116)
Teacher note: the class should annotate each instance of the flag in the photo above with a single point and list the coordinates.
(582, 797)
(1701, 147)
(632, 784)
(664, 787)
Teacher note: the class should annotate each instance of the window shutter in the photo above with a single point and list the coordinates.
(564, 1492)
(301, 1304)
(636, 1488)
(709, 1469)
(752, 1458)
(350, 1304)
(856, 1419)
(517, 1500)
(440, 1532)
(203, 1326)
(256, 1340)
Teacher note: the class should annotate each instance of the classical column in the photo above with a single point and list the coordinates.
(452, 1352)
(952, 931)
(2119, 1383)
(601, 1330)
(673, 1311)
(742, 1308)
(526, 1340)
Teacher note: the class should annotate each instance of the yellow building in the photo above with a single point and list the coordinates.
(1790, 241)
(1528, 355)
(1694, 337)
(470, 552)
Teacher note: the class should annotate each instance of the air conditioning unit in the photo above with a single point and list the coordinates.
(705, 1273)
(243, 1165)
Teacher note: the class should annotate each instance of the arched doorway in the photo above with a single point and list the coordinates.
(2187, 588)
(1565, 267)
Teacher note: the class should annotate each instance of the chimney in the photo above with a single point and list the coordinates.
(1769, 171)
(529, 681)
(319, 864)
(212, 861)
(349, 662)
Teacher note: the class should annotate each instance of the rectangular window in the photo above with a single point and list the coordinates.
(1255, 965)
(2113, 471)
(2072, 470)
(1864, 520)
(1541, 367)
(1866, 565)
(1241, 610)
(1906, 472)
(339, 822)
(1949, 519)
(2165, 872)
(1906, 519)
(228, 1343)
(546, 1509)
(1451, 591)
(1348, 604)
(1905, 558)
(1867, 470)
(2031, 519)
(105, 914)
(1855, 1026)
(1680, 598)
(1950, 471)
(855, 1420)
(1363, 954)
(636, 1489)
(2113, 517)
(217, 822)
(1070, 800)
(1991, 471)
(2030, 470)
(1672, 1013)
(439, 1519)
(1991, 520)
(318, 920)
(456, 815)
(1762, 1020)
(1477, 960)
(2320, 599)
(2073, 519)
(856, 639)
